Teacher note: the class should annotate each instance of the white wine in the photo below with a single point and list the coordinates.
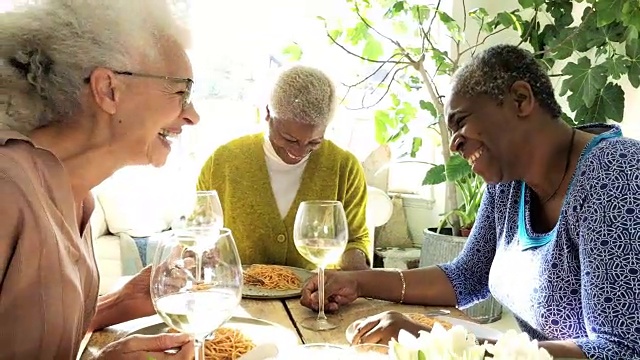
(321, 252)
(198, 313)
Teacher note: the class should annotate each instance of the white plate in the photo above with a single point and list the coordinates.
(261, 332)
(480, 331)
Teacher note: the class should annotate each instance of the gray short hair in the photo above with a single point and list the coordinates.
(493, 72)
(304, 94)
(47, 50)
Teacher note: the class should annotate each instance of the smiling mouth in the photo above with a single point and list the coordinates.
(293, 156)
(475, 156)
(168, 136)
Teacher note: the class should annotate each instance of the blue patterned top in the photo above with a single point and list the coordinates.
(583, 284)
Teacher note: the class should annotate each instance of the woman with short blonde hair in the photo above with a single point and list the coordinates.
(262, 178)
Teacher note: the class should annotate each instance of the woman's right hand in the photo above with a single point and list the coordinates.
(146, 347)
(341, 288)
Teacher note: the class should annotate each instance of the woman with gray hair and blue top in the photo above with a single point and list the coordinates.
(86, 88)
(262, 178)
(557, 237)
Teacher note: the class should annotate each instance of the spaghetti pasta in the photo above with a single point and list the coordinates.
(227, 344)
(428, 321)
(272, 277)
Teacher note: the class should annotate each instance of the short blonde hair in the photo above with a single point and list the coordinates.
(48, 50)
(304, 94)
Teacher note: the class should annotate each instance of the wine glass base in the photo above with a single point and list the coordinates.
(313, 324)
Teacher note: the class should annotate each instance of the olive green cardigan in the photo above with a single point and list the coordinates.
(238, 172)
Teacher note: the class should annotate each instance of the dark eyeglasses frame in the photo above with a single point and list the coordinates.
(186, 97)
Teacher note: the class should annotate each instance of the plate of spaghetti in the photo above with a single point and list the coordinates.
(481, 332)
(236, 337)
(273, 281)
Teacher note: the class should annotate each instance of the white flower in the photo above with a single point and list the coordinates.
(514, 346)
(458, 344)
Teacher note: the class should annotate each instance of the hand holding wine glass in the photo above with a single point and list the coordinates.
(320, 234)
(196, 282)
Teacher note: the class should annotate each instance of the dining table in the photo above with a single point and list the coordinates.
(288, 313)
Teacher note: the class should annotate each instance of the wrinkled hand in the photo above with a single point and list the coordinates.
(341, 288)
(381, 328)
(137, 295)
(145, 347)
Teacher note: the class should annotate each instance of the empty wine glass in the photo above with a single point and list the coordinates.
(320, 234)
(201, 210)
(196, 281)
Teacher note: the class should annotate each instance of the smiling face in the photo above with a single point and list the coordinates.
(487, 135)
(151, 110)
(294, 140)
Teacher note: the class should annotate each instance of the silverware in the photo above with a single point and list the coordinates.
(439, 312)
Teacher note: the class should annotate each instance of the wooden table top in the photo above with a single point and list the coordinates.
(287, 313)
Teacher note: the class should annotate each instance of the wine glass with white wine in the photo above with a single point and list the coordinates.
(320, 234)
(196, 281)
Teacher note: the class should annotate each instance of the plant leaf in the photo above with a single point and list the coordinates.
(293, 52)
(618, 66)
(631, 14)
(428, 105)
(357, 33)
(435, 175)
(456, 168)
(382, 121)
(632, 49)
(609, 105)
(372, 48)
(608, 11)
(584, 81)
(416, 144)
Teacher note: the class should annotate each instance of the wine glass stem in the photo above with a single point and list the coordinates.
(198, 345)
(321, 315)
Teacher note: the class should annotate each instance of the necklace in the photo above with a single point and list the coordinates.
(566, 167)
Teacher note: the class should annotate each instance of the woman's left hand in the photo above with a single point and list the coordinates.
(136, 295)
(381, 328)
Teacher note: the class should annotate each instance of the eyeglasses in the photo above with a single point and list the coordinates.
(186, 96)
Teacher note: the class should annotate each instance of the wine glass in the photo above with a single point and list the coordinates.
(202, 210)
(196, 281)
(320, 234)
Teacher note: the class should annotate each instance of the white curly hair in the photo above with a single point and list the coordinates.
(304, 94)
(47, 50)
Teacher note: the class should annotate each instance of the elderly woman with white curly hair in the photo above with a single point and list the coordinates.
(86, 88)
(262, 178)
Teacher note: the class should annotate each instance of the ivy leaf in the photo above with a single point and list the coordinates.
(617, 66)
(584, 81)
(609, 105)
(608, 11)
(435, 175)
(632, 48)
(397, 8)
(372, 48)
(479, 14)
(457, 168)
(293, 52)
(428, 105)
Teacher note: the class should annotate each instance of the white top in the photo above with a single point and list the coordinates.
(285, 178)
